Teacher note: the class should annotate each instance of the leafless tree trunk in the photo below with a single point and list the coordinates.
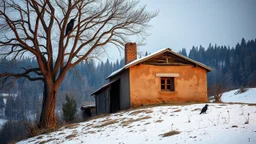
(36, 28)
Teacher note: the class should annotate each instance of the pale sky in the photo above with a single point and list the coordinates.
(186, 23)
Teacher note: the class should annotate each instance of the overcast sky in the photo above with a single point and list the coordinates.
(186, 23)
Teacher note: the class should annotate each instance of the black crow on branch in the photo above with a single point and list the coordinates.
(204, 109)
(70, 26)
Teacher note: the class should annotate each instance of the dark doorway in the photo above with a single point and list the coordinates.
(115, 97)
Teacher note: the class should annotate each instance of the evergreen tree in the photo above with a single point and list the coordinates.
(69, 109)
(232, 67)
(193, 53)
(183, 52)
(1, 102)
(1, 106)
(10, 110)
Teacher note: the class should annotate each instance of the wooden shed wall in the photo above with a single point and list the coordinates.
(103, 102)
(124, 89)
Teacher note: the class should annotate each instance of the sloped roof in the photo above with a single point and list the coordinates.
(138, 61)
(88, 105)
(103, 87)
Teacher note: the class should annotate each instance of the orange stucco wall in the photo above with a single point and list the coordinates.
(190, 86)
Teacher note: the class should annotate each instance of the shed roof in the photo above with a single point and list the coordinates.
(88, 105)
(103, 87)
(138, 61)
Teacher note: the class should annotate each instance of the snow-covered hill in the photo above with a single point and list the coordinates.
(222, 124)
(249, 96)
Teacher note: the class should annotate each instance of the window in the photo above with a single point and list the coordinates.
(167, 84)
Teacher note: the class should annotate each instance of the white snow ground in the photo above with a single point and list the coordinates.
(247, 97)
(222, 124)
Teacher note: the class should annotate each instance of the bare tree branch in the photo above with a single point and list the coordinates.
(36, 28)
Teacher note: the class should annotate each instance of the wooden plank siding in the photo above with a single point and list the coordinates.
(124, 89)
(102, 100)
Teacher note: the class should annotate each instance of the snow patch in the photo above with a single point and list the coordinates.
(248, 96)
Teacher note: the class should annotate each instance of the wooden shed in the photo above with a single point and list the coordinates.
(161, 77)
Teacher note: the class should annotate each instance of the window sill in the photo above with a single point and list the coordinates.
(165, 91)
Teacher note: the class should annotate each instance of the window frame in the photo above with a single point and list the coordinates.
(167, 84)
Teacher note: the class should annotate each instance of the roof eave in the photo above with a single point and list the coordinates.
(208, 69)
(103, 87)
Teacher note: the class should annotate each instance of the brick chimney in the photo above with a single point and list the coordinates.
(130, 52)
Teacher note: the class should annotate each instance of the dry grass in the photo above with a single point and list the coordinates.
(106, 120)
(89, 125)
(35, 131)
(170, 133)
(196, 109)
(91, 132)
(141, 111)
(71, 126)
(70, 136)
(136, 110)
(174, 108)
(106, 123)
(120, 114)
(241, 90)
(159, 121)
(234, 103)
(192, 137)
(39, 137)
(46, 141)
(31, 141)
(178, 110)
(222, 105)
(122, 119)
(129, 121)
(251, 104)
(94, 118)
(143, 118)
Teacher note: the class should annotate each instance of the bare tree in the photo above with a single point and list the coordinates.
(36, 28)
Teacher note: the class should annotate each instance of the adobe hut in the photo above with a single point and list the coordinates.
(161, 77)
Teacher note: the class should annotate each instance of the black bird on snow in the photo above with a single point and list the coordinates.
(70, 26)
(204, 109)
